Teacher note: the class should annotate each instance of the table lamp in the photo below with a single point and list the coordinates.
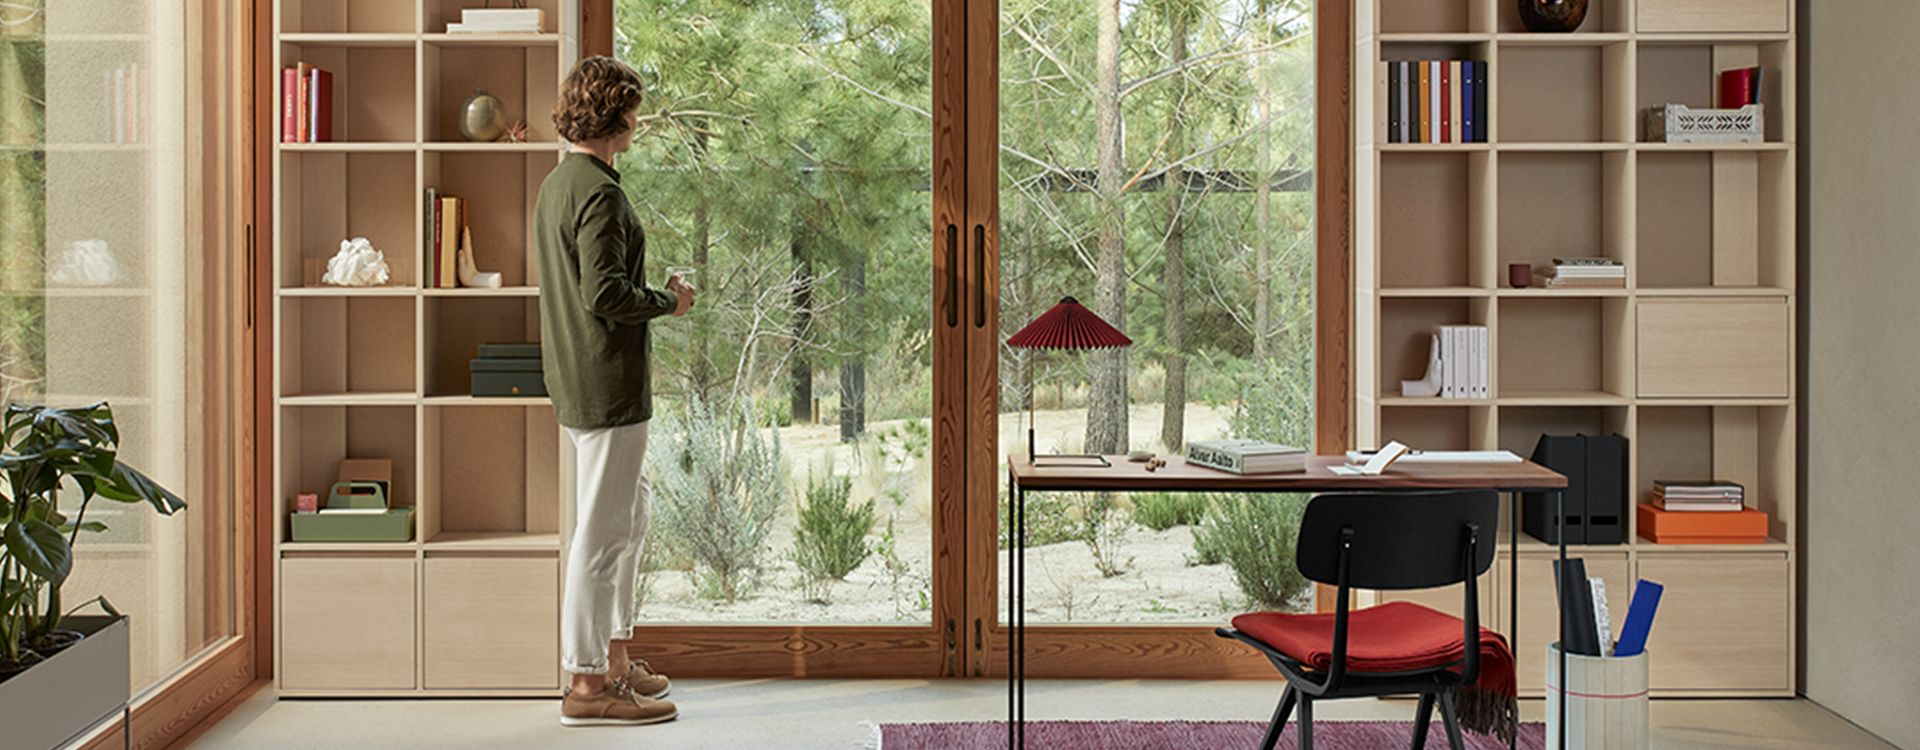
(1068, 325)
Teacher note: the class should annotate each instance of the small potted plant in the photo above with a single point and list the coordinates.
(59, 673)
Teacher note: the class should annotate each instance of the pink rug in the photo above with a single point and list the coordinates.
(1179, 735)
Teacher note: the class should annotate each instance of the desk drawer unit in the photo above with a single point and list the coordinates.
(346, 622)
(490, 622)
(1738, 347)
(1725, 623)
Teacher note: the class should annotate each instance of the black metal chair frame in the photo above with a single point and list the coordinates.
(1435, 685)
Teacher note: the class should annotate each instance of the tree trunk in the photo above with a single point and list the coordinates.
(1107, 404)
(705, 377)
(853, 370)
(799, 370)
(1173, 404)
(1262, 197)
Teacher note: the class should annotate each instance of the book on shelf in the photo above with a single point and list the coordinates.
(428, 246)
(1706, 496)
(498, 21)
(1586, 273)
(1457, 364)
(1435, 101)
(1246, 456)
(449, 225)
(306, 104)
(1740, 87)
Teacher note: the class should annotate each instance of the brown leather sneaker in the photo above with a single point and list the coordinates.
(614, 706)
(643, 680)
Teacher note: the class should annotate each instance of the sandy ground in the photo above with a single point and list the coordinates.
(1063, 584)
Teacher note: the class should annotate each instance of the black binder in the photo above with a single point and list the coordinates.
(1565, 454)
(1606, 492)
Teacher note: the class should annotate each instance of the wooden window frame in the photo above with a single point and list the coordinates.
(961, 641)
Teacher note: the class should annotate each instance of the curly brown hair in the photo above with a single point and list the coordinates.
(595, 99)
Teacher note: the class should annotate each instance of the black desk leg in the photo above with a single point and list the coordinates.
(1020, 619)
(1560, 531)
(1013, 550)
(1513, 589)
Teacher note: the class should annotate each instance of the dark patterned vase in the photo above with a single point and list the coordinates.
(1552, 15)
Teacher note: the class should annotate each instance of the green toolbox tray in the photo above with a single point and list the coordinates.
(394, 525)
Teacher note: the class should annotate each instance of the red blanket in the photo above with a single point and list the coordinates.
(1399, 637)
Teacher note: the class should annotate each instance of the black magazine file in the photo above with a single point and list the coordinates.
(1596, 494)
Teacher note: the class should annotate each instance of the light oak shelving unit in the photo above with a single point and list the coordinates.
(470, 607)
(1692, 361)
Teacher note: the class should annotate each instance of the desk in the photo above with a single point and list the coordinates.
(1178, 476)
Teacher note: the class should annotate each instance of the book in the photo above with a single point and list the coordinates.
(1639, 622)
(1406, 101)
(1480, 104)
(290, 105)
(1246, 456)
(1442, 457)
(1376, 463)
(1425, 106)
(1554, 282)
(428, 245)
(1444, 96)
(300, 118)
(1454, 115)
(1739, 87)
(1587, 261)
(1393, 102)
(1468, 121)
(1602, 621)
(1436, 103)
(321, 95)
(452, 218)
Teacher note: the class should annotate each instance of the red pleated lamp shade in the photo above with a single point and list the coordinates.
(1069, 325)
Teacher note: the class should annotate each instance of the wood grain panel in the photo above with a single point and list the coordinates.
(1333, 412)
(966, 385)
(1720, 16)
(1695, 646)
(790, 650)
(1133, 652)
(347, 622)
(201, 693)
(1714, 347)
(490, 622)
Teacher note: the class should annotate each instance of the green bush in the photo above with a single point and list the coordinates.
(718, 484)
(1050, 520)
(830, 536)
(1161, 511)
(1104, 528)
(1254, 535)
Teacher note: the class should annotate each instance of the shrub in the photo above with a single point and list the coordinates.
(1103, 528)
(1161, 511)
(1049, 520)
(830, 535)
(718, 485)
(1254, 535)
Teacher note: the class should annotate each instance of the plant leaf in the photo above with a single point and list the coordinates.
(41, 549)
(131, 486)
(92, 526)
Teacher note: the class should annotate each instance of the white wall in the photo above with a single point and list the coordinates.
(1861, 549)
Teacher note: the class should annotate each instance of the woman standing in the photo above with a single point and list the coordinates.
(595, 307)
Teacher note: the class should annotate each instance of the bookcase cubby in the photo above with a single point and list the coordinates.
(1691, 360)
(470, 606)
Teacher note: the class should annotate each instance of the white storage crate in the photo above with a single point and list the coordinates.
(1679, 123)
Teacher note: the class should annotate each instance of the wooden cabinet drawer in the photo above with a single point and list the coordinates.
(1736, 347)
(1723, 623)
(492, 622)
(1758, 16)
(1539, 621)
(346, 623)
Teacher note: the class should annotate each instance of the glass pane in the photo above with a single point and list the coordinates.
(1156, 164)
(785, 158)
(105, 298)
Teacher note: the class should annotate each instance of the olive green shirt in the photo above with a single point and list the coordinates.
(594, 301)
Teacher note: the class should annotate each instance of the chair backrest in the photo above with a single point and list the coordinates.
(1400, 540)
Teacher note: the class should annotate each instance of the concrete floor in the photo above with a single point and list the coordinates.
(829, 714)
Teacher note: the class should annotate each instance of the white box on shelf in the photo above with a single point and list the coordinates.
(1679, 123)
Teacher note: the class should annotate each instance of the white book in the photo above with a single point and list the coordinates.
(1435, 102)
(1246, 456)
(1484, 360)
(1443, 457)
(1462, 362)
(1406, 100)
(1601, 621)
(1446, 361)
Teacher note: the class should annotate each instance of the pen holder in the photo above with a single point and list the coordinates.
(1606, 700)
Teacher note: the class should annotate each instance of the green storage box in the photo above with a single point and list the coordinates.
(394, 525)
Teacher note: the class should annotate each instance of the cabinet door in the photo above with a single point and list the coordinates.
(492, 622)
(346, 623)
(1539, 621)
(1723, 623)
(1760, 16)
(1714, 348)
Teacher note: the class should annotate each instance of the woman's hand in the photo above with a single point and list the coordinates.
(682, 290)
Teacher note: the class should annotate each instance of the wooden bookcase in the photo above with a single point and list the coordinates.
(471, 605)
(1692, 361)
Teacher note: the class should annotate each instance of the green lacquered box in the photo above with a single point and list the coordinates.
(395, 525)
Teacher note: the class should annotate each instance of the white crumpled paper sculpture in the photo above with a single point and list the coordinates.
(357, 264)
(85, 263)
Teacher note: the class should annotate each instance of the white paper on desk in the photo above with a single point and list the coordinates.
(1444, 457)
(1374, 466)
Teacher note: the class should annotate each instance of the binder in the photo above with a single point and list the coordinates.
(1565, 454)
(1576, 607)
(1605, 507)
(1393, 102)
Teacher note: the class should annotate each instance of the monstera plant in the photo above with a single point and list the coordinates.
(51, 453)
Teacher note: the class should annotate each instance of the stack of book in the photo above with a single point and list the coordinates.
(497, 21)
(1456, 365)
(446, 223)
(1435, 101)
(1716, 496)
(1586, 273)
(1246, 456)
(306, 104)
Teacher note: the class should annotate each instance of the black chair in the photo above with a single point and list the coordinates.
(1384, 542)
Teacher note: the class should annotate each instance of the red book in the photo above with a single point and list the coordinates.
(1736, 88)
(305, 134)
(289, 106)
(1442, 70)
(322, 104)
(434, 251)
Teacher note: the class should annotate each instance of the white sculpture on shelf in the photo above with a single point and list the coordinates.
(85, 263)
(357, 264)
(470, 273)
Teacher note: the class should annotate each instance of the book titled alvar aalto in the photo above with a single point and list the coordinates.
(1246, 456)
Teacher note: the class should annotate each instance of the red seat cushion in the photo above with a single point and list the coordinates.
(1392, 637)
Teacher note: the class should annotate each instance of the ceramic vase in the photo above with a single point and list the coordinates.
(1552, 15)
(482, 117)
